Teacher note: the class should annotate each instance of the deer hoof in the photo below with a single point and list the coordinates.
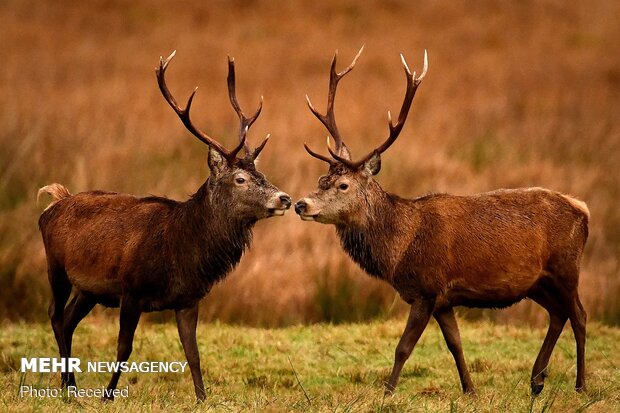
(469, 391)
(537, 388)
(389, 390)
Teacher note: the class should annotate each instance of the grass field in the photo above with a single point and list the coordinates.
(517, 94)
(335, 368)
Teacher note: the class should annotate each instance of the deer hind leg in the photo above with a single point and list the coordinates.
(450, 329)
(130, 315)
(539, 371)
(419, 314)
(578, 319)
(78, 308)
(61, 290)
(554, 300)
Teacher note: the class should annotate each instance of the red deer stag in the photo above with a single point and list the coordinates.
(440, 251)
(153, 253)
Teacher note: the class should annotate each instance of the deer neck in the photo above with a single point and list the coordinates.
(375, 243)
(215, 237)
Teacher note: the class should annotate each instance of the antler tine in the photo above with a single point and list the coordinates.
(395, 129)
(319, 156)
(245, 122)
(183, 113)
(259, 148)
(329, 119)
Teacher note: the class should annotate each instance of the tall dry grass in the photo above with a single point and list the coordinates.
(517, 94)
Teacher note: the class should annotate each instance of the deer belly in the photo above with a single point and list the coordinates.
(489, 292)
(97, 277)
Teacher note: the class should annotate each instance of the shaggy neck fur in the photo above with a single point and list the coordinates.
(369, 242)
(215, 237)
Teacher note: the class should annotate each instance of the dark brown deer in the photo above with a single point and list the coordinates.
(153, 253)
(440, 251)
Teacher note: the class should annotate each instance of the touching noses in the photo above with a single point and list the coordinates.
(285, 200)
(300, 206)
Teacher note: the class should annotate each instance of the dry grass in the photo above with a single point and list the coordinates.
(518, 94)
(319, 368)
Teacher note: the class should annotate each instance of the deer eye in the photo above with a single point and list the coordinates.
(240, 180)
(343, 186)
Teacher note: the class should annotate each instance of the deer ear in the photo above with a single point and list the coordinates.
(373, 165)
(216, 161)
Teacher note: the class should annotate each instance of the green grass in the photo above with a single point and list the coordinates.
(322, 368)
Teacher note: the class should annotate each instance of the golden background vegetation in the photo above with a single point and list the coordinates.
(517, 94)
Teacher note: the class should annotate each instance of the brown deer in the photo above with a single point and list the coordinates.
(153, 253)
(439, 251)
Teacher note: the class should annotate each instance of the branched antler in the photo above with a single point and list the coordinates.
(395, 129)
(329, 119)
(183, 113)
(245, 122)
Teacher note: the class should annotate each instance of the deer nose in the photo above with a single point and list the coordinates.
(300, 206)
(285, 200)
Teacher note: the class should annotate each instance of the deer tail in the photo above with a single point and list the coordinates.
(578, 204)
(57, 192)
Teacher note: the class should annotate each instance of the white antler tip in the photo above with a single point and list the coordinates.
(358, 55)
(425, 68)
(402, 58)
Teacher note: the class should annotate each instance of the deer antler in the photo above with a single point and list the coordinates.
(395, 129)
(245, 122)
(412, 87)
(183, 113)
(329, 120)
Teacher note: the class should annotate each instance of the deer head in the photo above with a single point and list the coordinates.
(345, 192)
(234, 183)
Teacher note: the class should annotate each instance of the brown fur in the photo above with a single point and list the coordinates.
(153, 253)
(440, 251)
(158, 253)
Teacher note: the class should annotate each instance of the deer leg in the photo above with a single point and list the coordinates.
(130, 315)
(539, 371)
(450, 329)
(61, 290)
(187, 320)
(419, 314)
(78, 308)
(578, 319)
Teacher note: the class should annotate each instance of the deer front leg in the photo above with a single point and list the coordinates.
(450, 330)
(419, 314)
(187, 319)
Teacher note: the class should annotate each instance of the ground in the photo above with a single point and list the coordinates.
(338, 368)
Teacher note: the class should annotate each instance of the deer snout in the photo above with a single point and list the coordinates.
(306, 210)
(278, 204)
(300, 207)
(285, 200)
